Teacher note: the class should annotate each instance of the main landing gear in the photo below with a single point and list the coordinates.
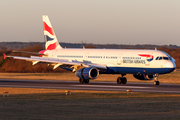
(121, 80)
(83, 81)
(156, 82)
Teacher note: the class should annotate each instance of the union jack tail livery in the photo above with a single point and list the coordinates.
(51, 41)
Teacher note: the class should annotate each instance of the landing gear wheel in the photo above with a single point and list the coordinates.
(123, 80)
(119, 80)
(86, 81)
(156, 82)
(81, 80)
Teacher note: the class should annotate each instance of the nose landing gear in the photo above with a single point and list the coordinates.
(156, 82)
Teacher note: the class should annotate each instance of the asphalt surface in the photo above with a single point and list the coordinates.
(99, 86)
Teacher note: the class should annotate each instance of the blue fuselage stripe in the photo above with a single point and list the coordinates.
(132, 70)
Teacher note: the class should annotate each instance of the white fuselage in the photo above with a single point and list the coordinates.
(118, 58)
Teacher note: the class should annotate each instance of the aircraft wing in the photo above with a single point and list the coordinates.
(59, 62)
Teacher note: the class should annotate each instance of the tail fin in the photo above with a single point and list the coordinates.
(51, 41)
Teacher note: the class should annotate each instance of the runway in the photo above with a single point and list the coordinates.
(99, 86)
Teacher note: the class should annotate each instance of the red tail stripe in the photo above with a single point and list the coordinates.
(52, 46)
(47, 28)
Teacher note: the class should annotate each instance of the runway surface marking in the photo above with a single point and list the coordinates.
(99, 86)
(135, 90)
(111, 86)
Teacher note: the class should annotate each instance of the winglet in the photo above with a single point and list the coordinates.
(4, 56)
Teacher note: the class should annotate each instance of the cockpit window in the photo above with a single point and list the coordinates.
(163, 58)
(170, 58)
(157, 58)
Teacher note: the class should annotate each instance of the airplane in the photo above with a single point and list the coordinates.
(87, 64)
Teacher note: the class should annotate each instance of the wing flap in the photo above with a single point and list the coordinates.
(34, 62)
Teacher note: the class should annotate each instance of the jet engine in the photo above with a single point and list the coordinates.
(87, 73)
(144, 77)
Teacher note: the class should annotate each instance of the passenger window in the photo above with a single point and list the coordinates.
(160, 58)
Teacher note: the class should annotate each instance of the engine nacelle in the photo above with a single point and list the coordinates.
(87, 73)
(143, 77)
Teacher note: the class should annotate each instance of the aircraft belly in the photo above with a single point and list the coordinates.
(133, 70)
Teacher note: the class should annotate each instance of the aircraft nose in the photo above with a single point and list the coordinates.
(171, 65)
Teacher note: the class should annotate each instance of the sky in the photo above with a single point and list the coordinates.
(92, 21)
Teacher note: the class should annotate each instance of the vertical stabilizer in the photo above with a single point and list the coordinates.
(51, 41)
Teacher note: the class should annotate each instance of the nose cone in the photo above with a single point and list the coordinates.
(170, 65)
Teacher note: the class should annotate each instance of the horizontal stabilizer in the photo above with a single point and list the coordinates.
(35, 53)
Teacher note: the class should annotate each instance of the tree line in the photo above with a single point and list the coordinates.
(20, 66)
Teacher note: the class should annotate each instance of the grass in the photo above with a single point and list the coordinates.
(31, 103)
(26, 103)
(173, 78)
